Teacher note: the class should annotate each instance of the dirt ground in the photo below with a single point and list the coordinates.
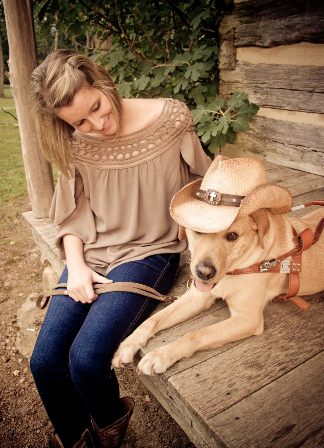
(23, 420)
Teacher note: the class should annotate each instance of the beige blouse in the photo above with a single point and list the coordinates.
(118, 201)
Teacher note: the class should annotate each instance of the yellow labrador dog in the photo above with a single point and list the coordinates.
(235, 224)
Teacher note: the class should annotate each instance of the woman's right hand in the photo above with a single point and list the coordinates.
(80, 283)
(81, 277)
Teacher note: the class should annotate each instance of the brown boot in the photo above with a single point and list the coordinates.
(112, 435)
(86, 441)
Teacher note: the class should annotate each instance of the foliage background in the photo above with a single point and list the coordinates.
(152, 49)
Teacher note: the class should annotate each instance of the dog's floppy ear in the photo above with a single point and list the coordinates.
(182, 233)
(261, 220)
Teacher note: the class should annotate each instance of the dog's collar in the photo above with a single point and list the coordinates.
(214, 197)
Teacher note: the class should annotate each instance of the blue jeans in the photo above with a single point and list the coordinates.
(72, 357)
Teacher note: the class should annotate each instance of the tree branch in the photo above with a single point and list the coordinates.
(181, 14)
(8, 113)
(148, 37)
(131, 44)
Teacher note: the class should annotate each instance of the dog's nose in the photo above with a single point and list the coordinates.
(205, 271)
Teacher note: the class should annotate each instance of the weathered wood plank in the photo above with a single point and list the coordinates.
(270, 166)
(298, 146)
(188, 418)
(303, 184)
(218, 383)
(304, 136)
(287, 87)
(268, 23)
(315, 441)
(280, 174)
(44, 233)
(283, 414)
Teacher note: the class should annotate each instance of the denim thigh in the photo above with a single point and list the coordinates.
(72, 357)
(114, 315)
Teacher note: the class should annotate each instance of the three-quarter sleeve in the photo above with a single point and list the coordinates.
(194, 155)
(71, 212)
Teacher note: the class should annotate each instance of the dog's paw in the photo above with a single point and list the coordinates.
(155, 362)
(125, 353)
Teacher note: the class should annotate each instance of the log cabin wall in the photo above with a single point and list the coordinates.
(274, 51)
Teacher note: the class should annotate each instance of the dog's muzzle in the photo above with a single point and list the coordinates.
(205, 271)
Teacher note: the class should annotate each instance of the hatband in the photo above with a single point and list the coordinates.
(214, 197)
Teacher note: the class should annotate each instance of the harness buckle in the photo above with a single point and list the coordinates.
(267, 265)
(285, 266)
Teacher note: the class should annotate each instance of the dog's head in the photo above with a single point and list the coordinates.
(215, 254)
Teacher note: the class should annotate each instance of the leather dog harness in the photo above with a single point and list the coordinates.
(303, 241)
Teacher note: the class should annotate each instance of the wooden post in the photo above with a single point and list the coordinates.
(1, 71)
(22, 61)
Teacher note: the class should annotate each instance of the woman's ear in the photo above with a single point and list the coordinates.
(262, 223)
(182, 233)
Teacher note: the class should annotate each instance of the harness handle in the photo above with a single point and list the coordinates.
(297, 207)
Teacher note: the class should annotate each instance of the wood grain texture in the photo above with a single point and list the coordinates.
(268, 23)
(22, 61)
(188, 418)
(44, 233)
(287, 87)
(315, 441)
(293, 145)
(218, 383)
(282, 414)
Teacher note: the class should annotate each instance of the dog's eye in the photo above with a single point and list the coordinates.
(232, 236)
(197, 233)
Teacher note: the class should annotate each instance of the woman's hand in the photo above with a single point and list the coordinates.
(79, 285)
(81, 277)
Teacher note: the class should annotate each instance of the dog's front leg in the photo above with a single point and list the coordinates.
(191, 303)
(240, 325)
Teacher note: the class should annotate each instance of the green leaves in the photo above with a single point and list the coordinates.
(218, 122)
(115, 57)
(141, 83)
(198, 113)
(159, 49)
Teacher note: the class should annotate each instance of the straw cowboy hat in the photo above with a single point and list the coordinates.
(230, 190)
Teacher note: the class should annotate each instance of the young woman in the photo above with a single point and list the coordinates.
(120, 161)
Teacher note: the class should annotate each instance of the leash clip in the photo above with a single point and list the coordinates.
(267, 265)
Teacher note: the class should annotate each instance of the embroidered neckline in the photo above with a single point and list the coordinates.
(137, 147)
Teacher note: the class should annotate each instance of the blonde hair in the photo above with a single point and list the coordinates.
(53, 85)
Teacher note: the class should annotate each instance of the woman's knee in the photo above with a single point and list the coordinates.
(87, 366)
(40, 364)
(47, 361)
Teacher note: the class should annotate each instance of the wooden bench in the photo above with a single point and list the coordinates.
(265, 391)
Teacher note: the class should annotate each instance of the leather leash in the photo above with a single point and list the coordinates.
(303, 241)
(100, 288)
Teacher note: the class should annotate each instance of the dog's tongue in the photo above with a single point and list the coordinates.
(203, 286)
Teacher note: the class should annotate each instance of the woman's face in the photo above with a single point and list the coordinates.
(90, 112)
